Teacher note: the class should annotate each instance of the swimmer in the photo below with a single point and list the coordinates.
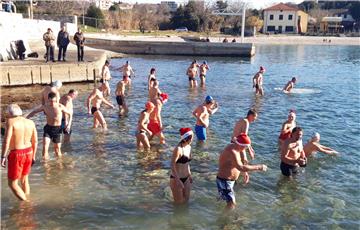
(105, 77)
(120, 95)
(242, 126)
(94, 101)
(314, 146)
(142, 139)
(154, 90)
(155, 121)
(230, 166)
(290, 85)
(151, 76)
(292, 153)
(203, 69)
(287, 127)
(21, 140)
(202, 114)
(52, 131)
(192, 72)
(54, 87)
(127, 71)
(67, 101)
(180, 177)
(258, 81)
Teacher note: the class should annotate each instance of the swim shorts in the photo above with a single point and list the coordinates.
(288, 170)
(200, 132)
(226, 189)
(19, 163)
(93, 110)
(63, 128)
(53, 132)
(257, 86)
(154, 127)
(192, 79)
(202, 75)
(120, 100)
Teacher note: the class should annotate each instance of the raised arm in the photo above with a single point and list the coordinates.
(214, 109)
(35, 111)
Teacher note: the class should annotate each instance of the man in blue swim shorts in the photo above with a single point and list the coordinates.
(202, 114)
(230, 166)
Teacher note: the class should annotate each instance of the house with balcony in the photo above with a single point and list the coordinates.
(282, 18)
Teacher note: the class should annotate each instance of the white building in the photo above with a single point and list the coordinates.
(171, 4)
(103, 4)
(282, 18)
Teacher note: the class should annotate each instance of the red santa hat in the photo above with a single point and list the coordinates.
(243, 140)
(185, 132)
(164, 97)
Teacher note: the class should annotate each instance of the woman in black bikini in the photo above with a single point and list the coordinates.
(180, 178)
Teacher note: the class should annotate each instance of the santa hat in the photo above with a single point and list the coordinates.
(243, 140)
(164, 97)
(185, 132)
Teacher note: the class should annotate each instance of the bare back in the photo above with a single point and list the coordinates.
(228, 160)
(21, 130)
(242, 126)
(153, 94)
(120, 88)
(66, 100)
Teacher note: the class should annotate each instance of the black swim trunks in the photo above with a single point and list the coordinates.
(257, 86)
(120, 100)
(93, 110)
(192, 79)
(288, 170)
(53, 132)
(202, 75)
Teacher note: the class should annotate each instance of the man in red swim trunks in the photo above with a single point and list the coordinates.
(21, 139)
(155, 122)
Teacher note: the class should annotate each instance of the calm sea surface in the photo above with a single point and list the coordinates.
(102, 181)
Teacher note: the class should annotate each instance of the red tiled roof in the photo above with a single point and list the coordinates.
(282, 6)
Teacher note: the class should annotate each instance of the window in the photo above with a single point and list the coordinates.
(281, 17)
(271, 17)
(270, 28)
(289, 29)
(290, 17)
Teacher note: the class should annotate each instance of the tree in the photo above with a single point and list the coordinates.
(96, 15)
(254, 21)
(221, 5)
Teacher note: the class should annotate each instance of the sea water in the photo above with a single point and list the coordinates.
(104, 182)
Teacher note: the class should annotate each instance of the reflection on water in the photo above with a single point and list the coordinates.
(102, 180)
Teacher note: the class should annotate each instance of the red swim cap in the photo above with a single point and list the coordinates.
(149, 105)
(243, 140)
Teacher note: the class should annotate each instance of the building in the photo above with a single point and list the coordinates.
(282, 18)
(347, 21)
(331, 25)
(171, 4)
(103, 4)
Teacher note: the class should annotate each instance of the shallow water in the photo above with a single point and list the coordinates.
(104, 182)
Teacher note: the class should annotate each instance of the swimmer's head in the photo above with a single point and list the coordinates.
(73, 93)
(107, 63)
(315, 136)
(186, 135)
(243, 140)
(14, 110)
(164, 97)
(149, 106)
(293, 79)
(152, 71)
(251, 115)
(297, 133)
(52, 97)
(262, 69)
(209, 99)
(292, 115)
(57, 84)
(127, 62)
(205, 62)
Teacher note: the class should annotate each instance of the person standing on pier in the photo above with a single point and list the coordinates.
(52, 130)
(105, 77)
(94, 102)
(79, 40)
(202, 114)
(258, 81)
(127, 71)
(67, 120)
(62, 42)
(120, 95)
(203, 69)
(21, 139)
(49, 39)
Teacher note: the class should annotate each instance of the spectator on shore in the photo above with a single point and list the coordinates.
(234, 40)
(62, 42)
(225, 40)
(49, 39)
(79, 40)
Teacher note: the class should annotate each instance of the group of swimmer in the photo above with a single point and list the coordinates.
(21, 135)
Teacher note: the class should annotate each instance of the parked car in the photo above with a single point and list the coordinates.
(182, 29)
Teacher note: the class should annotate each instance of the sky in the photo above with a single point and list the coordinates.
(253, 3)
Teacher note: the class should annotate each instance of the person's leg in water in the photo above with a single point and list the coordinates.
(57, 148)
(100, 118)
(25, 184)
(45, 150)
(16, 189)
